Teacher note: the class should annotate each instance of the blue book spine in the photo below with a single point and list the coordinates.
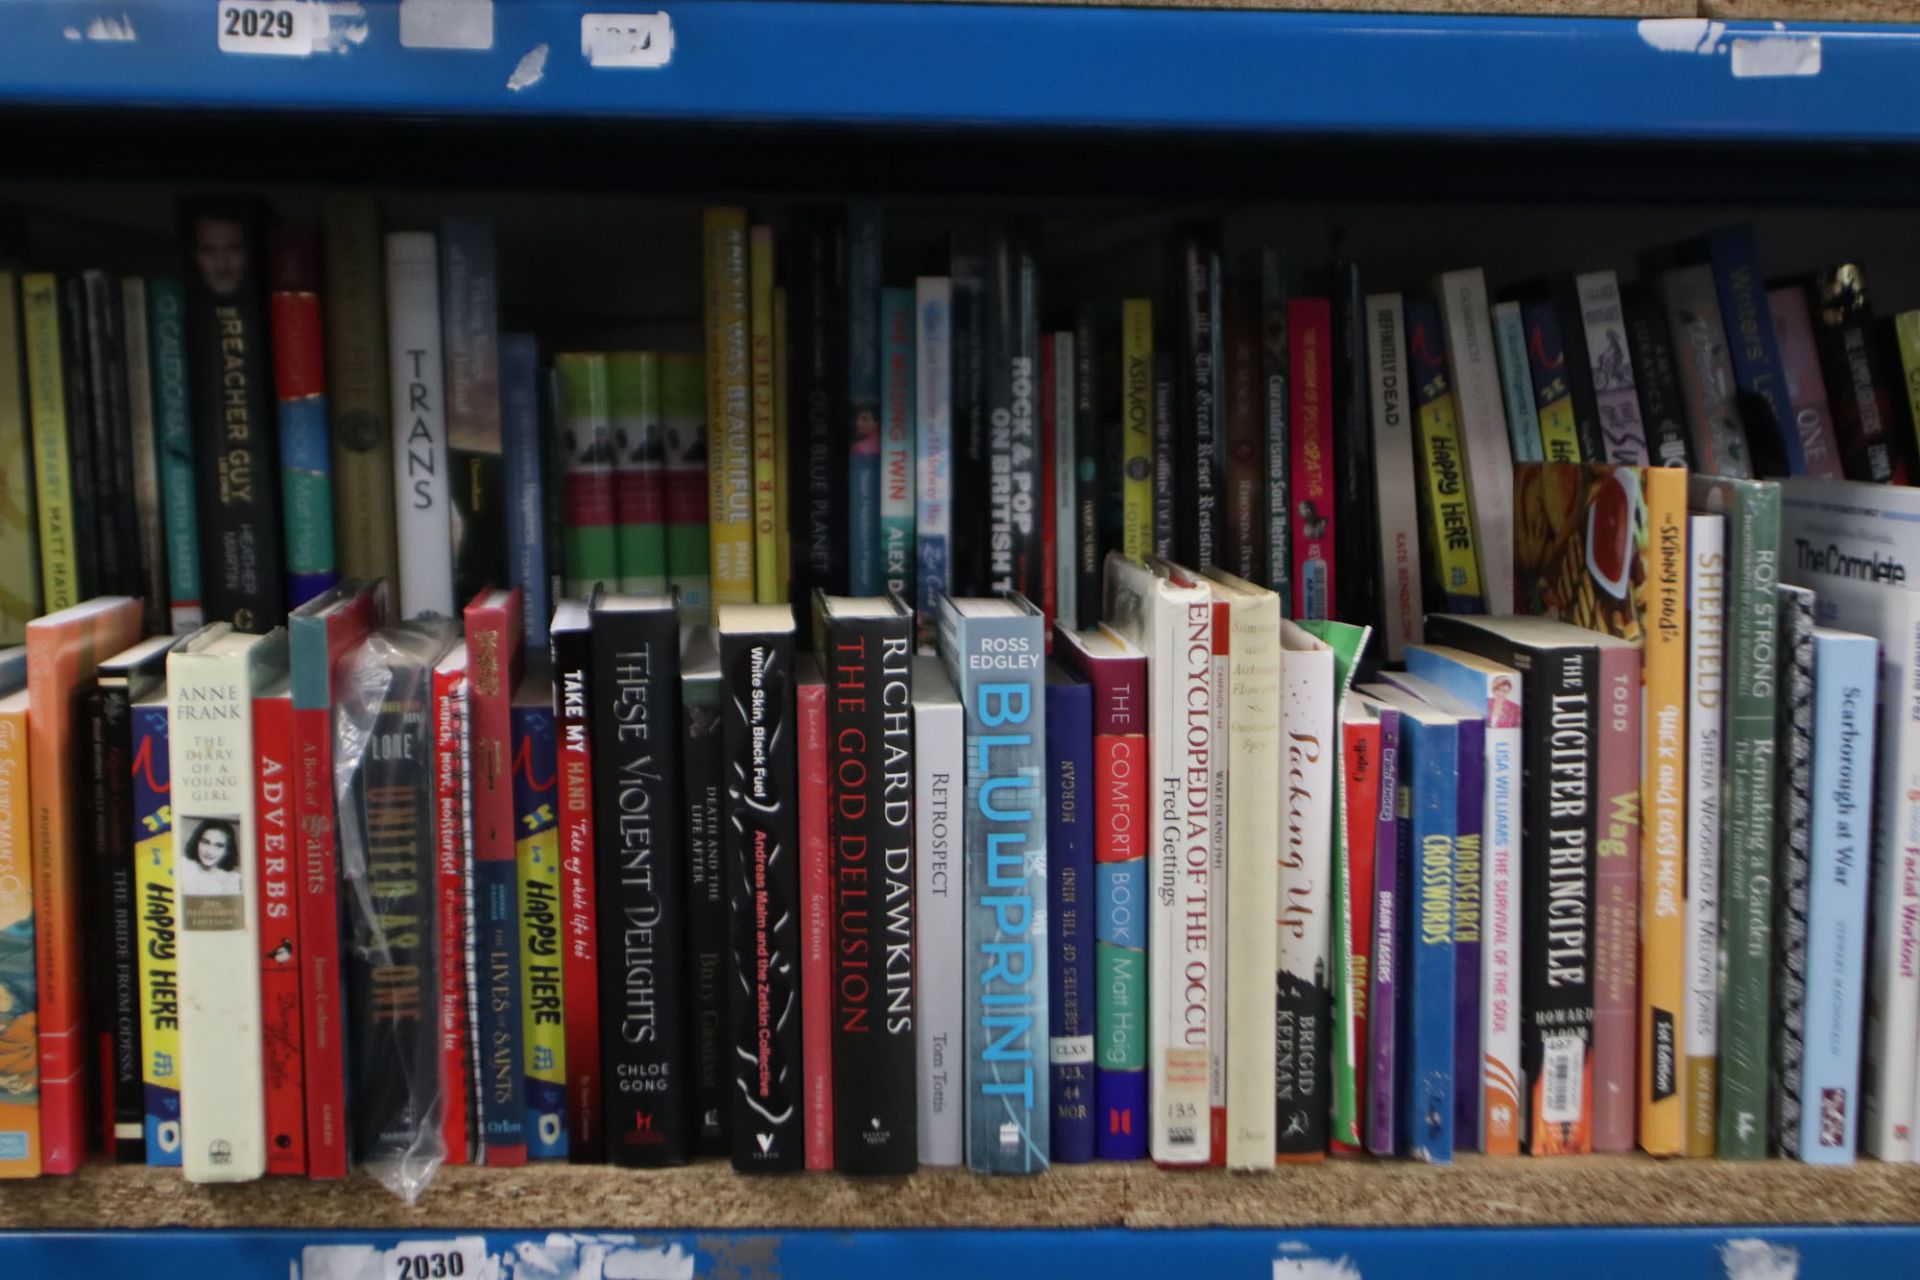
(933, 447)
(159, 970)
(1070, 945)
(306, 486)
(864, 235)
(173, 429)
(1468, 850)
(521, 446)
(898, 487)
(996, 662)
(1845, 669)
(536, 828)
(1431, 752)
(1757, 372)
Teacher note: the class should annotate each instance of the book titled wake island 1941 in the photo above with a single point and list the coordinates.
(994, 649)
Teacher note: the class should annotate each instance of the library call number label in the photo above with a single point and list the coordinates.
(283, 27)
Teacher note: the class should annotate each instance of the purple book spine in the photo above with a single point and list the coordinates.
(1469, 841)
(1386, 906)
(1616, 991)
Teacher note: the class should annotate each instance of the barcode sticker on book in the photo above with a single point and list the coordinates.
(1560, 1070)
(282, 27)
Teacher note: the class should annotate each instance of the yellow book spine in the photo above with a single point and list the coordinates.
(1663, 788)
(1906, 328)
(19, 1039)
(730, 463)
(159, 972)
(782, 455)
(1559, 437)
(1136, 415)
(766, 468)
(1448, 518)
(19, 562)
(47, 410)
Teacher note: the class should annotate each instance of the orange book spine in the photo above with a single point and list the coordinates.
(19, 1021)
(1663, 801)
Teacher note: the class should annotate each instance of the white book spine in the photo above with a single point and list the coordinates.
(1396, 494)
(210, 752)
(1253, 880)
(1065, 488)
(1217, 880)
(1516, 382)
(1602, 318)
(1483, 428)
(933, 449)
(1500, 888)
(1706, 705)
(940, 786)
(1303, 905)
(422, 497)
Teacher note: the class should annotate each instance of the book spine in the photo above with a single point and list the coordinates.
(1383, 973)
(1448, 517)
(1844, 678)
(683, 416)
(500, 1024)
(1245, 528)
(1483, 430)
(1793, 850)
(638, 476)
(1360, 814)
(818, 392)
(536, 782)
(1197, 538)
(1469, 871)
(783, 469)
(864, 359)
(159, 970)
(641, 888)
(939, 742)
(729, 408)
(763, 890)
(1564, 298)
(1070, 834)
(1310, 338)
(1276, 403)
(83, 448)
(1862, 404)
(457, 1031)
(1553, 397)
(173, 426)
(580, 959)
(590, 549)
(816, 923)
(281, 956)
(112, 1009)
(1301, 1056)
(1013, 454)
(1656, 377)
(967, 272)
(1500, 903)
(1706, 373)
(897, 476)
(1616, 935)
(143, 458)
(1216, 898)
(1122, 820)
(1906, 340)
(1806, 393)
(767, 576)
(118, 540)
(1136, 415)
(1706, 762)
(1166, 499)
(1090, 448)
(299, 372)
(1622, 434)
(422, 519)
(523, 473)
(19, 554)
(1427, 935)
(1396, 496)
(1663, 806)
(1516, 382)
(1252, 887)
(1049, 598)
(1063, 470)
(357, 364)
(1762, 399)
(933, 447)
(20, 1117)
(706, 916)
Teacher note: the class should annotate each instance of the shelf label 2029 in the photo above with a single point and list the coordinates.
(282, 27)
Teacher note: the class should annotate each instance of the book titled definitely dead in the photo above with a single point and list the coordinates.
(995, 650)
(760, 847)
(866, 651)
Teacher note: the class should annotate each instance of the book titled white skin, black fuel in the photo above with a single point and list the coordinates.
(866, 653)
(759, 834)
(706, 887)
(640, 882)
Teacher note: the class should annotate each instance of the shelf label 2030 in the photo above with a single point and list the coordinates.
(282, 27)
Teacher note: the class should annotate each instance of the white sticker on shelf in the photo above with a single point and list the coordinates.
(626, 39)
(454, 1258)
(1776, 56)
(283, 28)
(446, 24)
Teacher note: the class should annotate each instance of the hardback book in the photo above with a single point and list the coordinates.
(817, 384)
(1117, 670)
(932, 446)
(20, 1127)
(320, 635)
(702, 762)
(1516, 382)
(1845, 671)
(357, 399)
(63, 649)
(816, 914)
(1656, 376)
(1449, 551)
(1259, 745)
(523, 469)
(173, 438)
(1761, 398)
(683, 390)
(1699, 1031)
(421, 479)
(939, 910)
(1806, 389)
(1359, 739)
(866, 653)
(1311, 495)
(1276, 442)
(1793, 856)
(143, 460)
(1430, 752)
(1134, 374)
(640, 891)
(899, 483)
(1380, 1119)
(760, 844)
(1752, 509)
(300, 382)
(383, 738)
(1559, 668)
(1070, 959)
(281, 955)
(1492, 694)
(1244, 525)
(536, 783)
(1396, 494)
(1856, 376)
(1719, 440)
(865, 233)
(589, 530)
(1304, 909)
(1198, 528)
(465, 1101)
(1488, 461)
(1552, 389)
(156, 907)
(729, 409)
(1012, 480)
(1172, 621)
(241, 550)
(19, 554)
(571, 655)
(768, 578)
(1359, 590)
(994, 649)
(1615, 396)
(213, 678)
(639, 475)
(495, 662)
(100, 314)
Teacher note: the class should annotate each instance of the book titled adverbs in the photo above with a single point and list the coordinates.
(700, 701)
(640, 891)
(760, 840)
(994, 649)
(1070, 959)
(939, 908)
(281, 958)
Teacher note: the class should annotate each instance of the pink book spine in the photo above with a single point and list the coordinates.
(1616, 996)
(816, 925)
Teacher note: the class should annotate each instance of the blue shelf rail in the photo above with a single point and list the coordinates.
(823, 62)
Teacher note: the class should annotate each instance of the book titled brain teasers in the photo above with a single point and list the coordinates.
(994, 650)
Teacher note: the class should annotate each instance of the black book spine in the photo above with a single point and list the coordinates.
(1245, 500)
(1166, 465)
(1012, 478)
(1579, 373)
(640, 886)
(1857, 382)
(235, 428)
(1089, 501)
(80, 446)
(1278, 571)
(1354, 551)
(817, 393)
(760, 835)
(110, 420)
(968, 550)
(869, 670)
(707, 927)
(1656, 376)
(121, 1010)
(1198, 534)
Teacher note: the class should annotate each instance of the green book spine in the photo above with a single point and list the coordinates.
(683, 403)
(639, 500)
(589, 549)
(353, 251)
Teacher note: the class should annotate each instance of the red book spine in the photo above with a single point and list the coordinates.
(1049, 521)
(280, 1022)
(1360, 760)
(450, 892)
(816, 924)
(1310, 343)
(580, 973)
